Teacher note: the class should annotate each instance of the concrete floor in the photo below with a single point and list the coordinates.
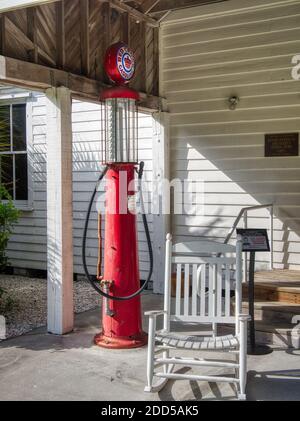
(39, 366)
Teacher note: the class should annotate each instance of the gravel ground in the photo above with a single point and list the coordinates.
(29, 296)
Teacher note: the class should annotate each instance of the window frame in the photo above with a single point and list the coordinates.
(10, 100)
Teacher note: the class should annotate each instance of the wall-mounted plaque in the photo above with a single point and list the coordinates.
(282, 144)
(254, 239)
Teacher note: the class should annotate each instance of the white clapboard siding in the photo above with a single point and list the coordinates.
(208, 54)
(27, 247)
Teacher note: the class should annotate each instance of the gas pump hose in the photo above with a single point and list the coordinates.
(147, 232)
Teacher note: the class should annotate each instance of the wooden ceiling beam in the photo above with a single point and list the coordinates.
(6, 5)
(136, 14)
(84, 37)
(126, 28)
(163, 6)
(60, 35)
(148, 5)
(32, 33)
(132, 1)
(33, 76)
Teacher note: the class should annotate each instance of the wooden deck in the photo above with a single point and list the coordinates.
(277, 302)
(278, 285)
(284, 278)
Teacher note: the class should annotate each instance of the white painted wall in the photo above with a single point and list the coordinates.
(27, 248)
(208, 54)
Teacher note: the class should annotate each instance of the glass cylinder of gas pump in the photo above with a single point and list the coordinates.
(120, 120)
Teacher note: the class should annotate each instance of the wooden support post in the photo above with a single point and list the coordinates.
(161, 221)
(59, 211)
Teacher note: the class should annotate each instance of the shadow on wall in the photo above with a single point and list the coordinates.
(237, 175)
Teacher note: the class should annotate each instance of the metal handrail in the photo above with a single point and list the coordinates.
(244, 213)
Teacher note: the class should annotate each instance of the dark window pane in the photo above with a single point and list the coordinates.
(7, 173)
(19, 127)
(21, 177)
(5, 128)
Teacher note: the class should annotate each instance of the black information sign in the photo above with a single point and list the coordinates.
(254, 239)
(282, 144)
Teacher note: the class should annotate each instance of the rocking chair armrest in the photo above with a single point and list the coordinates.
(155, 313)
(243, 318)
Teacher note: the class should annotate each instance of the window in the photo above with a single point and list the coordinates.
(13, 150)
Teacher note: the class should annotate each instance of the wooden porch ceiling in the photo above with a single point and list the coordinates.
(158, 9)
(142, 9)
(56, 42)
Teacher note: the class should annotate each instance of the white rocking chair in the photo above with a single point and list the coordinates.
(208, 267)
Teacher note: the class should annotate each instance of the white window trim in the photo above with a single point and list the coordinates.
(24, 98)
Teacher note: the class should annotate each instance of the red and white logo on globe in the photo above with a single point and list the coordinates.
(126, 63)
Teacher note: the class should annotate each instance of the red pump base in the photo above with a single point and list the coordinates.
(122, 329)
(121, 342)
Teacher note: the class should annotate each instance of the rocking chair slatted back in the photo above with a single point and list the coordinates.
(207, 275)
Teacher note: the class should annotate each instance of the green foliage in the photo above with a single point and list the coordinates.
(6, 302)
(9, 215)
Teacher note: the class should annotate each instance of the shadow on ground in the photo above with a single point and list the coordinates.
(277, 385)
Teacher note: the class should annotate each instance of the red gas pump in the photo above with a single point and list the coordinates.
(120, 283)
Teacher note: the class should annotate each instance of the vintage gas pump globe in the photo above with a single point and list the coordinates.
(120, 115)
(119, 63)
(120, 283)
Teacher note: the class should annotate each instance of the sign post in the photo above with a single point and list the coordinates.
(254, 240)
